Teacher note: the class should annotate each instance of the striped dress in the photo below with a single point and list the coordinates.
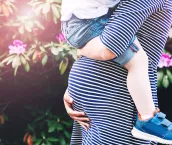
(99, 87)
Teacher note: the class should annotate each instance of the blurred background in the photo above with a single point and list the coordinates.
(35, 61)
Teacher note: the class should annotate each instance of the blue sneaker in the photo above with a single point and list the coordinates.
(157, 129)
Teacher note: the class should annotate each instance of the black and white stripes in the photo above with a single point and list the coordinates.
(99, 87)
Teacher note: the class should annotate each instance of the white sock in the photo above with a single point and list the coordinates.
(146, 117)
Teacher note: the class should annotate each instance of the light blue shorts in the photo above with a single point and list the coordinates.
(80, 31)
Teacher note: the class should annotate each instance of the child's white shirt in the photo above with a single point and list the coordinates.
(86, 9)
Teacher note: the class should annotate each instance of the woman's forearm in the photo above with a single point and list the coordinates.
(95, 49)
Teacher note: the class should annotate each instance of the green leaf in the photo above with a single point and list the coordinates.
(53, 139)
(21, 29)
(30, 52)
(56, 14)
(160, 77)
(62, 141)
(38, 142)
(43, 135)
(27, 67)
(30, 128)
(39, 25)
(47, 45)
(169, 74)
(68, 124)
(15, 35)
(55, 19)
(13, 6)
(35, 3)
(38, 9)
(63, 66)
(49, 143)
(165, 81)
(28, 28)
(55, 11)
(52, 127)
(30, 24)
(42, 49)
(16, 61)
(46, 8)
(23, 60)
(39, 118)
(8, 58)
(10, 9)
(67, 134)
(15, 70)
(45, 59)
(48, 111)
(55, 50)
(27, 58)
(59, 127)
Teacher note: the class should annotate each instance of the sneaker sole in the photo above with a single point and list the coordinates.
(145, 136)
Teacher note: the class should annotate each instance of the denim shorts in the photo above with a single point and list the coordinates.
(80, 31)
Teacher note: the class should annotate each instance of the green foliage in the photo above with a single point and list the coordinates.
(165, 70)
(7, 7)
(24, 27)
(31, 29)
(47, 128)
(48, 8)
(164, 77)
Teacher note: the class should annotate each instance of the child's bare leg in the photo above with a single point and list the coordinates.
(138, 84)
(137, 81)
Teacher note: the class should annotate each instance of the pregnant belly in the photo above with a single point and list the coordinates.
(94, 84)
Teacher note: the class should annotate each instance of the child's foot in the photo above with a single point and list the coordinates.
(157, 129)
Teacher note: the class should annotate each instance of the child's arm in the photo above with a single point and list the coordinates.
(95, 49)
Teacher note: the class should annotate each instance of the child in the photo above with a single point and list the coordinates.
(83, 21)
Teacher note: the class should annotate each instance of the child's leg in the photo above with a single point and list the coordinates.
(138, 83)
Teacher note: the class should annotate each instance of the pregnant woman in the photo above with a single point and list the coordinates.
(99, 87)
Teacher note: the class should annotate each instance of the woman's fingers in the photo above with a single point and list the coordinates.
(83, 119)
(71, 112)
(68, 105)
(80, 117)
(84, 125)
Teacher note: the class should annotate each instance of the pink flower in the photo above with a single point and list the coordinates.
(60, 38)
(18, 47)
(165, 61)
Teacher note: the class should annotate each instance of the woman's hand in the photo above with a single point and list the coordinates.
(80, 117)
